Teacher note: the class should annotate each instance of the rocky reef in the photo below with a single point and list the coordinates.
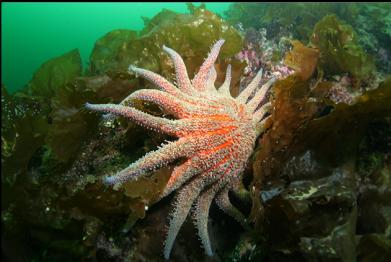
(316, 189)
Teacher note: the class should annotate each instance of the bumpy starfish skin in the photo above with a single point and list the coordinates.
(216, 135)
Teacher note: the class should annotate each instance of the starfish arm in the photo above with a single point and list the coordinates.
(171, 104)
(224, 88)
(261, 112)
(166, 86)
(259, 95)
(260, 126)
(182, 77)
(199, 81)
(216, 132)
(201, 213)
(183, 203)
(222, 200)
(201, 210)
(156, 123)
(246, 93)
(179, 176)
(151, 161)
(184, 147)
(197, 164)
(186, 198)
(157, 80)
(204, 127)
(210, 83)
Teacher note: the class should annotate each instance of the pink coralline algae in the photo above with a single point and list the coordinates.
(216, 136)
(258, 52)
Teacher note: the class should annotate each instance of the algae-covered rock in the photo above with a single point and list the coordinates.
(339, 49)
(70, 125)
(106, 49)
(371, 21)
(30, 111)
(24, 127)
(55, 73)
(320, 191)
(191, 35)
(7, 116)
(297, 19)
(307, 176)
(54, 153)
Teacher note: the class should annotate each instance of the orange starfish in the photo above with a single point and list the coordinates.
(216, 134)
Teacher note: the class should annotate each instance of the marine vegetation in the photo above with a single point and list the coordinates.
(339, 49)
(370, 21)
(296, 18)
(316, 187)
(216, 132)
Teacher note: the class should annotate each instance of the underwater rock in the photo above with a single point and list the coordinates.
(373, 247)
(71, 125)
(34, 105)
(321, 173)
(24, 127)
(373, 26)
(371, 21)
(341, 91)
(40, 143)
(316, 212)
(374, 218)
(280, 19)
(315, 198)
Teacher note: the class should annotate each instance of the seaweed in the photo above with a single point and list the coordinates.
(307, 169)
(302, 59)
(24, 127)
(317, 186)
(295, 18)
(54, 74)
(28, 111)
(103, 56)
(191, 35)
(339, 49)
(54, 152)
(70, 126)
(371, 21)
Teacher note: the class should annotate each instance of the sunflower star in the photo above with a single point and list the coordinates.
(216, 132)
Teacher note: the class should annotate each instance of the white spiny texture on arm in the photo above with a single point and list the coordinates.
(199, 81)
(259, 96)
(224, 88)
(182, 77)
(246, 93)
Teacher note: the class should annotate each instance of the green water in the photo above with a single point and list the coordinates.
(35, 32)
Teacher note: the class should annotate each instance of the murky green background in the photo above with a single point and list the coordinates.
(35, 32)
